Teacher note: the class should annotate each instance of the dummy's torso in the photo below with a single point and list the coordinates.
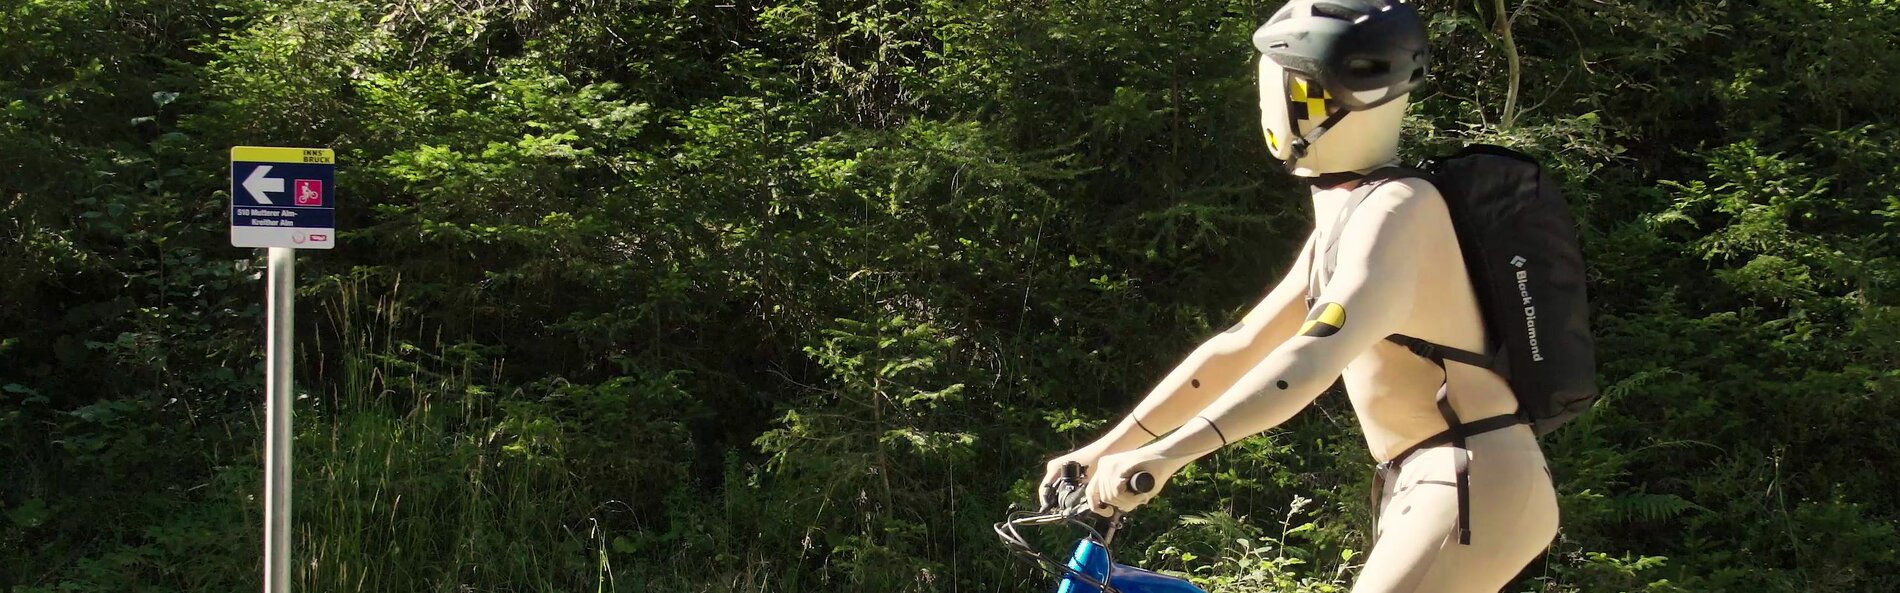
(1393, 390)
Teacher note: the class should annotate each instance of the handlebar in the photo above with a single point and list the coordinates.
(1066, 502)
(1068, 496)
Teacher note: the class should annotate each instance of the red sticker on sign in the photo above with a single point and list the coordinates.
(309, 192)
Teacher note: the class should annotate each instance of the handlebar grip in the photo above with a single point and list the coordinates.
(1141, 483)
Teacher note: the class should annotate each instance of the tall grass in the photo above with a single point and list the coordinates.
(415, 473)
(412, 478)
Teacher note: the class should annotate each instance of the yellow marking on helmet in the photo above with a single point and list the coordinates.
(1273, 141)
(1324, 321)
(1311, 96)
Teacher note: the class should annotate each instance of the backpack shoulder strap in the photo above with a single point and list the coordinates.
(1438, 354)
(1323, 255)
(1372, 182)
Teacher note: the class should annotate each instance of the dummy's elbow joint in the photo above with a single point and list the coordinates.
(1216, 427)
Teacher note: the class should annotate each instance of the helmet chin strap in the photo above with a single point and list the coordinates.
(1300, 141)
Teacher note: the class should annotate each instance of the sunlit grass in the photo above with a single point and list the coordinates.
(407, 481)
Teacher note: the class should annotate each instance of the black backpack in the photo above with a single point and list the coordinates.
(1526, 267)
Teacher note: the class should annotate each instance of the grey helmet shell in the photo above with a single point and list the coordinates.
(1365, 53)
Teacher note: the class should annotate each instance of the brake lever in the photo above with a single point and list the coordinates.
(1075, 501)
(1060, 495)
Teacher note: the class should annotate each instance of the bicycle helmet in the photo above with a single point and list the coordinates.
(1363, 52)
(1360, 53)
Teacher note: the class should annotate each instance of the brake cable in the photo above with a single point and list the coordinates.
(1012, 539)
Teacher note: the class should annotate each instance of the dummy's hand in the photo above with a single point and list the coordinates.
(1086, 457)
(1108, 483)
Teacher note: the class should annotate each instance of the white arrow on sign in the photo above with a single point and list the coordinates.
(257, 184)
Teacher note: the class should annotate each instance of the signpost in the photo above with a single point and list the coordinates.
(283, 199)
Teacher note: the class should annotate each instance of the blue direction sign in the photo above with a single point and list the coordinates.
(283, 197)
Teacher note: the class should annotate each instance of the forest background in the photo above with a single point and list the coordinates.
(797, 295)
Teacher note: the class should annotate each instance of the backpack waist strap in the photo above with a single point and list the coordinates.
(1455, 435)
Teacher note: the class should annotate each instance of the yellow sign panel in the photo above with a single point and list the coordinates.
(274, 154)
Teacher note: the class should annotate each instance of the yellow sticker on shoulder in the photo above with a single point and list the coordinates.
(1325, 320)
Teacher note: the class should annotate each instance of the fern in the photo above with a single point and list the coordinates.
(1650, 507)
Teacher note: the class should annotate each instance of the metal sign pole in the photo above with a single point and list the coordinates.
(283, 199)
(278, 297)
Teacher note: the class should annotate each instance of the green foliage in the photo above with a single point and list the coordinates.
(1247, 558)
(796, 296)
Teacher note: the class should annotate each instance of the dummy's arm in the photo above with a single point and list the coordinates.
(1368, 296)
(1220, 361)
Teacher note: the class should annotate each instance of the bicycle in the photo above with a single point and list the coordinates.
(1091, 567)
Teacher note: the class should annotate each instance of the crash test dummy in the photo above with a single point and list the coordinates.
(1463, 498)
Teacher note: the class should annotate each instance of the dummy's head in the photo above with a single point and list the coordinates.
(1334, 78)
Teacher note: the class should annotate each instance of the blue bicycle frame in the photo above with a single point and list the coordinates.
(1091, 559)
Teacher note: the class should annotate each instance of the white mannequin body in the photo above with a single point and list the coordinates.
(1399, 270)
